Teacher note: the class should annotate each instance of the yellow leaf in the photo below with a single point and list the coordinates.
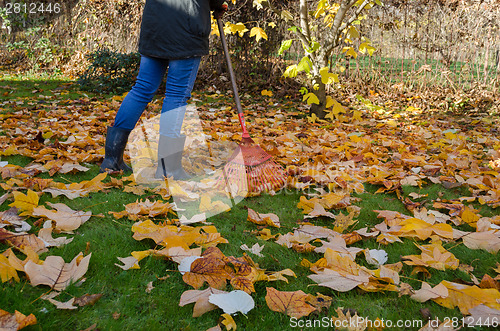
(311, 98)
(272, 25)
(365, 47)
(353, 32)
(350, 51)
(229, 322)
(356, 115)
(7, 271)
(239, 28)
(337, 108)
(312, 119)
(25, 202)
(328, 77)
(267, 93)
(469, 217)
(258, 33)
(466, 297)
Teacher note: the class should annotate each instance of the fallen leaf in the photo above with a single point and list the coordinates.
(87, 299)
(211, 268)
(65, 218)
(319, 301)
(233, 302)
(292, 304)
(376, 257)
(45, 235)
(482, 316)
(149, 287)
(55, 273)
(228, 322)
(25, 203)
(352, 321)
(488, 240)
(427, 292)
(434, 256)
(7, 271)
(16, 321)
(128, 263)
(200, 298)
(466, 297)
(256, 249)
(263, 219)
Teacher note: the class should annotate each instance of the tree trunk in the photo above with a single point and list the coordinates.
(319, 109)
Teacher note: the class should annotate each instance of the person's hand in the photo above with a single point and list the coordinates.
(219, 12)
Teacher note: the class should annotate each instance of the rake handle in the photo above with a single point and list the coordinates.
(233, 79)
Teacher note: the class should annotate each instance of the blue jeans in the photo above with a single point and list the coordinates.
(180, 81)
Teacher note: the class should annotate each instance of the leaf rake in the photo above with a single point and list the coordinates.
(249, 168)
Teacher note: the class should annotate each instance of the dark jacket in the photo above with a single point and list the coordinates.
(176, 29)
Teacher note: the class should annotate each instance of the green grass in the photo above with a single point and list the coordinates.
(124, 292)
(125, 304)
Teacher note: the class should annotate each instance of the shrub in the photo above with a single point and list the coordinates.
(110, 71)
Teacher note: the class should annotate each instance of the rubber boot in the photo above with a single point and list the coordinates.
(170, 158)
(116, 140)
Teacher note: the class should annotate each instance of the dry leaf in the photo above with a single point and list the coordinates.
(7, 271)
(16, 321)
(65, 218)
(376, 257)
(233, 302)
(319, 301)
(228, 322)
(487, 240)
(427, 292)
(292, 304)
(46, 236)
(87, 299)
(466, 297)
(211, 268)
(351, 322)
(263, 219)
(434, 256)
(26, 202)
(482, 315)
(128, 263)
(200, 298)
(55, 273)
(256, 249)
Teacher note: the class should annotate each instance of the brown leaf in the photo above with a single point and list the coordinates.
(319, 301)
(22, 240)
(16, 321)
(243, 283)
(292, 304)
(200, 298)
(427, 292)
(87, 299)
(211, 268)
(489, 282)
(263, 219)
(487, 240)
(55, 273)
(65, 218)
(482, 315)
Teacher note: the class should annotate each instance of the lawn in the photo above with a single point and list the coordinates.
(431, 168)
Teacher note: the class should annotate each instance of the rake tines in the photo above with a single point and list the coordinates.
(250, 168)
(251, 171)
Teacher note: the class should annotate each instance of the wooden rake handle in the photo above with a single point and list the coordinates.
(233, 79)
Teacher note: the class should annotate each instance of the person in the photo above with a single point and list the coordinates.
(174, 35)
